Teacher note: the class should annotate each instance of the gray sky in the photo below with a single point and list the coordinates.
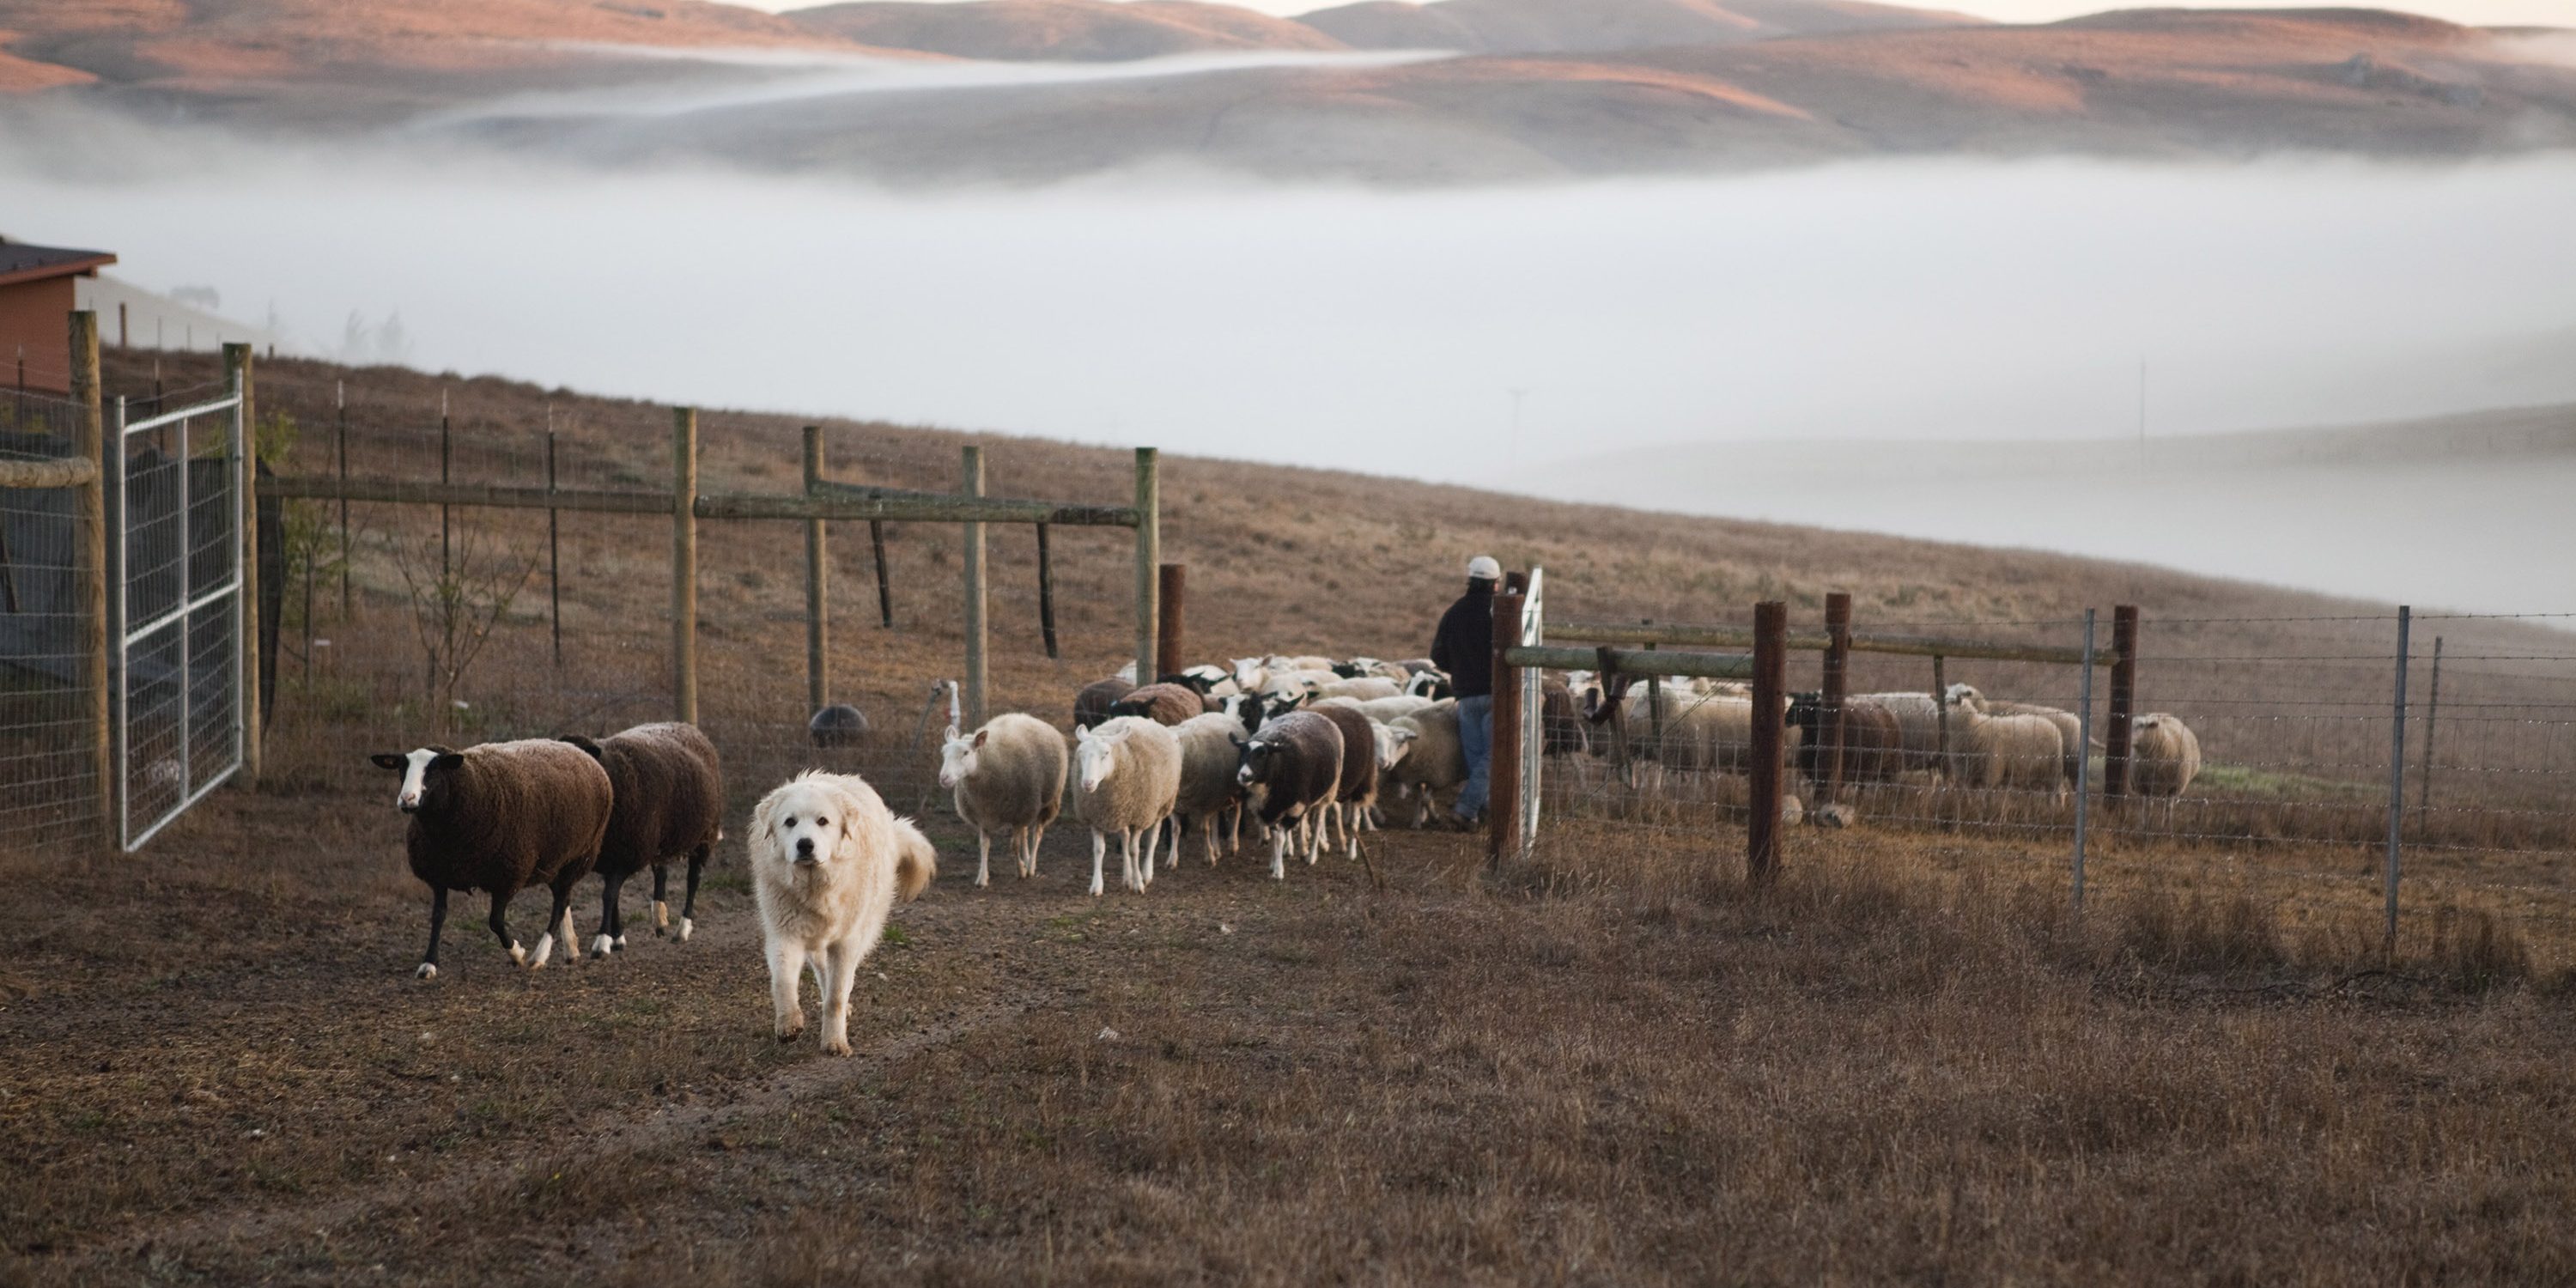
(2532, 13)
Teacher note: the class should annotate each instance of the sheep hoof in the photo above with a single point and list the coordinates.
(545, 949)
(602, 946)
(661, 916)
(791, 1032)
(621, 943)
(836, 1048)
(686, 925)
(428, 970)
(518, 955)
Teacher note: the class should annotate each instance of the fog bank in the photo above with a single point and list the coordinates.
(1385, 331)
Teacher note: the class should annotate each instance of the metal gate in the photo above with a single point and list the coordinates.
(175, 604)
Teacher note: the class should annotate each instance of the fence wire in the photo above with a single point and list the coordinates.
(49, 788)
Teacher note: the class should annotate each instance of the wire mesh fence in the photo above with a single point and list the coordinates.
(49, 786)
(2260, 747)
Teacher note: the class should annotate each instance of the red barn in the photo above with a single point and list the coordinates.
(35, 308)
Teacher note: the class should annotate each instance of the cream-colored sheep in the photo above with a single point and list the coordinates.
(1435, 763)
(1211, 751)
(2164, 755)
(1006, 777)
(1127, 779)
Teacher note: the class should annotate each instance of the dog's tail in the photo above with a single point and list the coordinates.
(915, 863)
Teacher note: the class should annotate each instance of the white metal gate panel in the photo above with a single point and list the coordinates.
(178, 529)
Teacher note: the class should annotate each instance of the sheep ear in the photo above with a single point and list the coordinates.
(391, 760)
(979, 738)
(446, 760)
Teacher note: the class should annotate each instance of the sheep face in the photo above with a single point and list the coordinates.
(1392, 744)
(1253, 766)
(1249, 673)
(808, 822)
(1965, 695)
(1092, 759)
(958, 757)
(425, 773)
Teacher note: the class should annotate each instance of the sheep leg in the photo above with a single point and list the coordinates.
(836, 1002)
(1099, 851)
(1154, 845)
(661, 909)
(1037, 839)
(1128, 843)
(437, 922)
(557, 917)
(786, 973)
(1207, 835)
(689, 906)
(563, 926)
(984, 864)
(606, 940)
(1278, 854)
(1350, 838)
(500, 923)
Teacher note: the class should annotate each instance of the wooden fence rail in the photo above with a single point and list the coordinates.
(1743, 637)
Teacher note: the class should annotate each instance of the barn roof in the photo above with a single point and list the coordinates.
(23, 263)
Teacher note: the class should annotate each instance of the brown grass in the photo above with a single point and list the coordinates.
(1909, 1057)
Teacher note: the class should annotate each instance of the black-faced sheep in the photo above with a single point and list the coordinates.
(1164, 704)
(1209, 681)
(1128, 777)
(670, 802)
(1873, 747)
(838, 725)
(502, 817)
(1006, 777)
(2164, 755)
(1294, 764)
(1091, 705)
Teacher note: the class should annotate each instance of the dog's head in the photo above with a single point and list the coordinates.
(803, 822)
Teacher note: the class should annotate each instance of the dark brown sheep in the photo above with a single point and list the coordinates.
(670, 802)
(1164, 704)
(1873, 742)
(1091, 706)
(1358, 791)
(502, 817)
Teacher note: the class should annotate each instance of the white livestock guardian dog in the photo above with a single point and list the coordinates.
(828, 862)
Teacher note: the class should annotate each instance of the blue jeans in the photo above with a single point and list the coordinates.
(1476, 739)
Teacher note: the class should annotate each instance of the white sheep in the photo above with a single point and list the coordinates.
(1128, 779)
(2164, 755)
(1006, 777)
(2007, 752)
(1435, 762)
(1365, 688)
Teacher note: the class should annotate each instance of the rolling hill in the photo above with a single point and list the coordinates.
(1075, 30)
(1555, 27)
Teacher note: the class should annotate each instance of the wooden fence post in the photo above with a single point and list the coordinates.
(89, 557)
(2124, 696)
(817, 585)
(684, 564)
(972, 484)
(885, 593)
(554, 542)
(1149, 558)
(242, 372)
(1046, 594)
(1941, 722)
(1837, 683)
(1168, 640)
(1770, 700)
(340, 413)
(1503, 764)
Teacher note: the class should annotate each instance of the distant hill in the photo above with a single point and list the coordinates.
(1070, 30)
(1600, 87)
(1596, 26)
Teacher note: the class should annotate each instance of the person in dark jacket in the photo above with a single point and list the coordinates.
(1464, 647)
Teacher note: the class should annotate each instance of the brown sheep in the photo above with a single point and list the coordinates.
(1165, 704)
(1091, 706)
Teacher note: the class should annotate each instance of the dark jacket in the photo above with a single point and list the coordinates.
(1464, 645)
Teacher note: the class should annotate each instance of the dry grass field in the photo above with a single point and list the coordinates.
(1907, 1059)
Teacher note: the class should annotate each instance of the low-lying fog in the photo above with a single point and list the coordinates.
(1404, 332)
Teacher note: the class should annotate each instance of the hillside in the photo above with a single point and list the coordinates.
(1070, 30)
(2149, 85)
(1636, 87)
(1556, 27)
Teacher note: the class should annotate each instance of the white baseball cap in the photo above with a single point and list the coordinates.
(1483, 568)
